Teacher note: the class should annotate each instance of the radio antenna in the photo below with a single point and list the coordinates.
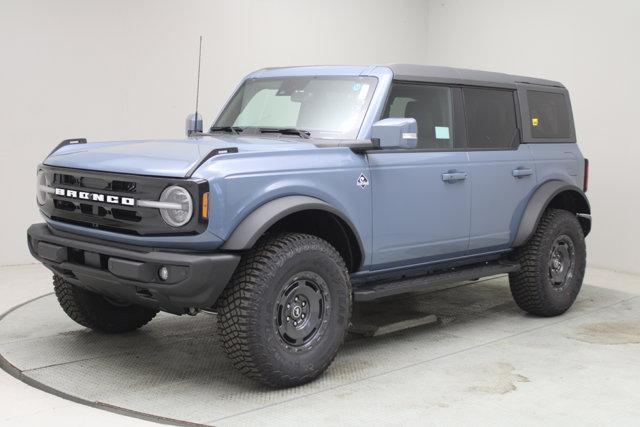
(198, 80)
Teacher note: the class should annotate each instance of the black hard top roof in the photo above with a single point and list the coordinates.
(436, 74)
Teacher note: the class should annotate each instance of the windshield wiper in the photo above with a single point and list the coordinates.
(305, 134)
(229, 129)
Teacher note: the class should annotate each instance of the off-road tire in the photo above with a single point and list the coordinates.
(532, 286)
(95, 312)
(250, 309)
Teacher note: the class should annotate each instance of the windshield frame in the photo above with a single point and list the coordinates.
(354, 133)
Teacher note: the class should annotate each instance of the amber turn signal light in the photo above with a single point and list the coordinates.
(205, 206)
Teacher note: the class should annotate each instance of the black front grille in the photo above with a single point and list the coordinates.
(120, 218)
(95, 183)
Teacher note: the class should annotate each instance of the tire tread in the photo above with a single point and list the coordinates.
(240, 300)
(526, 284)
(92, 311)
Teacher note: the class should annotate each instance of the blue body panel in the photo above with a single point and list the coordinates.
(328, 174)
(417, 217)
(563, 162)
(262, 170)
(407, 216)
(498, 198)
(171, 158)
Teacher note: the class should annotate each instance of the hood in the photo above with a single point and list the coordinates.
(170, 158)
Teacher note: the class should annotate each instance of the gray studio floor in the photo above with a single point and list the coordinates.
(484, 362)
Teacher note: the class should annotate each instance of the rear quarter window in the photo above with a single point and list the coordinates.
(549, 116)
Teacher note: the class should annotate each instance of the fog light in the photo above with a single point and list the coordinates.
(163, 273)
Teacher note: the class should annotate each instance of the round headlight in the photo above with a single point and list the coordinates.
(41, 188)
(176, 216)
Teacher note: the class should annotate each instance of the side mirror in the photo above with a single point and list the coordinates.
(396, 133)
(193, 124)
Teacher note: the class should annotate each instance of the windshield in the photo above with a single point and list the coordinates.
(324, 106)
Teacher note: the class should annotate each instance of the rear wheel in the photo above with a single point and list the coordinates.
(97, 312)
(552, 265)
(286, 311)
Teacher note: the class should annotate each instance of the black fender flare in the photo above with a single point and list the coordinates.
(540, 201)
(247, 233)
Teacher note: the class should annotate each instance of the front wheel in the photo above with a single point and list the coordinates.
(552, 265)
(286, 311)
(97, 312)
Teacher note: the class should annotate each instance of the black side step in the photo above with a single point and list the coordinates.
(370, 292)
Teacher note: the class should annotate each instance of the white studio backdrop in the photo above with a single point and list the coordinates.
(126, 70)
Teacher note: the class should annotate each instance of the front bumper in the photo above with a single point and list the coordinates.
(130, 273)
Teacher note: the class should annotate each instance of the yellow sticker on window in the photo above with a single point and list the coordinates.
(534, 121)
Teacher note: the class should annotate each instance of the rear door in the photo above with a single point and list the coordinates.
(421, 197)
(502, 169)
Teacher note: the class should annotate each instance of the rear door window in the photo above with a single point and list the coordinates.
(431, 106)
(549, 116)
(491, 119)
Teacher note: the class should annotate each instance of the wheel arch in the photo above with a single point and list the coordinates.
(553, 194)
(300, 214)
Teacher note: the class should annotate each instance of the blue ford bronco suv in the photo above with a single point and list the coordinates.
(317, 187)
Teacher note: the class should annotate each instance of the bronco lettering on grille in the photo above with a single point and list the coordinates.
(95, 197)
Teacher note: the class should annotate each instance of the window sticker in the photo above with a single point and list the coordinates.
(442, 132)
(535, 121)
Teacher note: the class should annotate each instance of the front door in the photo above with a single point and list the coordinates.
(421, 197)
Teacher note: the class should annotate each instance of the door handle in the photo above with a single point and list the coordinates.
(521, 172)
(454, 176)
